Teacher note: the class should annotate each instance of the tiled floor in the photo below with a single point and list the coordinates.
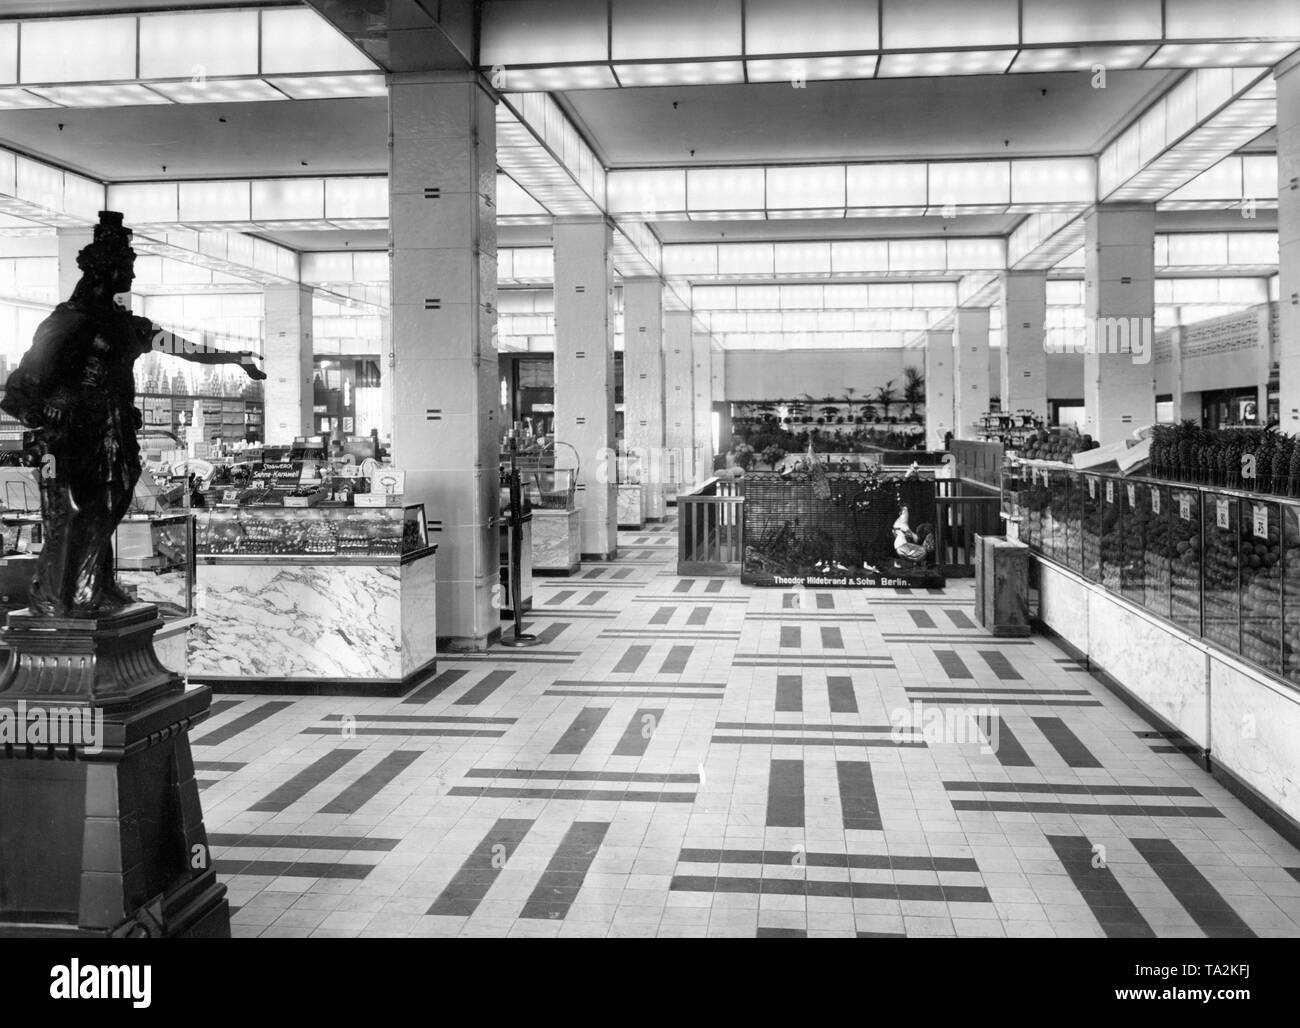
(690, 757)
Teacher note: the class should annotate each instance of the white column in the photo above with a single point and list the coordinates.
(970, 344)
(584, 374)
(938, 387)
(386, 365)
(643, 385)
(1024, 329)
(287, 314)
(679, 413)
(446, 430)
(702, 391)
(71, 241)
(1119, 306)
(1288, 238)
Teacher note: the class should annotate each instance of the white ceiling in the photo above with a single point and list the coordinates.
(122, 144)
(988, 116)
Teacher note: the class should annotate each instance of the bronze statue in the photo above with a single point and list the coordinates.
(75, 390)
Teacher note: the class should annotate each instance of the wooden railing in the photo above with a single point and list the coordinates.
(959, 517)
(710, 526)
(710, 529)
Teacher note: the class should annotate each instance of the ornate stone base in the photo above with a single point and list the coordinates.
(101, 829)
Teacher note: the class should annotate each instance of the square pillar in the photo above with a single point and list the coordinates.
(584, 374)
(1288, 239)
(643, 385)
(679, 397)
(938, 387)
(1024, 330)
(702, 404)
(970, 344)
(287, 320)
(446, 427)
(1119, 392)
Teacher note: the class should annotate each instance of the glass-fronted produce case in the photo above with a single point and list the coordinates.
(1221, 564)
(321, 599)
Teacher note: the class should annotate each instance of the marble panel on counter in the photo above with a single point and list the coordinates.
(1255, 732)
(419, 613)
(557, 540)
(297, 621)
(1158, 664)
(629, 507)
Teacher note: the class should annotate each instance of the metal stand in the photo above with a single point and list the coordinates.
(516, 562)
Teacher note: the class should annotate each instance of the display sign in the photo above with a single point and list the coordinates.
(388, 482)
(1155, 501)
(1132, 497)
(1221, 514)
(1110, 491)
(277, 474)
(1092, 488)
(1185, 507)
(1259, 519)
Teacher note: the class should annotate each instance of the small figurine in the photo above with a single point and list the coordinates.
(912, 547)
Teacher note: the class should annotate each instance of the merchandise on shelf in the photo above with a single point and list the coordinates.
(1220, 564)
(310, 531)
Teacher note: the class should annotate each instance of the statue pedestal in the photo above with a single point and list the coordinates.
(101, 830)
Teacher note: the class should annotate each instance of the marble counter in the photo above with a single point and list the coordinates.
(1248, 720)
(630, 514)
(557, 541)
(312, 626)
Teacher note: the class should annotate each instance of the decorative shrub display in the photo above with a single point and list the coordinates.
(1260, 460)
(846, 538)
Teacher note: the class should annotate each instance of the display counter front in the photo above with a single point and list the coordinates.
(313, 600)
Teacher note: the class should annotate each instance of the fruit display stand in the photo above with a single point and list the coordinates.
(1222, 565)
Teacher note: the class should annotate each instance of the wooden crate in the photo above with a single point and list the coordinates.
(1002, 585)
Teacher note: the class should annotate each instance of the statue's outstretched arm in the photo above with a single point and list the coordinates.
(159, 340)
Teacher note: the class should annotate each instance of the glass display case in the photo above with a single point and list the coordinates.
(360, 532)
(1220, 564)
(550, 488)
(153, 556)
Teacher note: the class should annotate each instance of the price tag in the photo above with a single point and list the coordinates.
(1092, 488)
(1155, 501)
(230, 496)
(1221, 513)
(1110, 491)
(1132, 497)
(1185, 507)
(1260, 521)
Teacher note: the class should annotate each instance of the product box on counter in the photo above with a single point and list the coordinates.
(378, 500)
(310, 500)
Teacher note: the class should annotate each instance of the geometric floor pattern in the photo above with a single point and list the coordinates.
(692, 757)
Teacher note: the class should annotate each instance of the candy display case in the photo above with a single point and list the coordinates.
(310, 531)
(1135, 524)
(153, 558)
(1067, 520)
(313, 600)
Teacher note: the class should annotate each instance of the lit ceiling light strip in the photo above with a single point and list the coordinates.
(60, 53)
(836, 191)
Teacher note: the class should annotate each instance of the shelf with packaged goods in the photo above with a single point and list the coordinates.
(1220, 564)
(325, 534)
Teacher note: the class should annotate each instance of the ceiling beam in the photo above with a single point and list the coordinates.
(573, 44)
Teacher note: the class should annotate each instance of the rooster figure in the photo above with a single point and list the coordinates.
(912, 547)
